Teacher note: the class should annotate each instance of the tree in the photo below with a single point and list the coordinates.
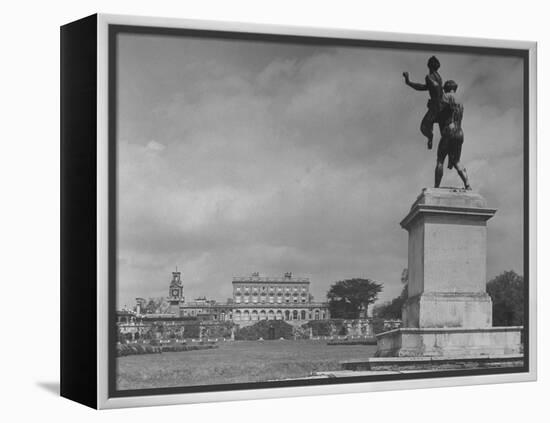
(392, 309)
(349, 297)
(506, 291)
(156, 305)
(151, 306)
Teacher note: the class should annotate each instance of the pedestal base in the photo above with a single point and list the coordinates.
(448, 310)
(455, 342)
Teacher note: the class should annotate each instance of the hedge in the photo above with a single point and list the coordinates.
(265, 329)
(137, 349)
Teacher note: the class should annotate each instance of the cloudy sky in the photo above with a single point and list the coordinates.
(243, 156)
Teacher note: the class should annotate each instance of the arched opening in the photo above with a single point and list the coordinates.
(295, 315)
(246, 315)
(262, 315)
(303, 315)
(254, 315)
(238, 315)
(279, 315)
(287, 315)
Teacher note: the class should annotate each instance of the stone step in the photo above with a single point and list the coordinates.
(432, 363)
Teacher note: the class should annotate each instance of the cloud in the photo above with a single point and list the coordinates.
(237, 157)
(154, 146)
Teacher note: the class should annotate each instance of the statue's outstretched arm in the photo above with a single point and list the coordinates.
(415, 85)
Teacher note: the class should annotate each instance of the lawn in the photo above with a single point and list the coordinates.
(235, 362)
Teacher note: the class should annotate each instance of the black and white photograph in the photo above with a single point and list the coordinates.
(311, 210)
(275, 212)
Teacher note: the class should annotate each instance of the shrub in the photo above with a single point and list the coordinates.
(378, 326)
(192, 330)
(266, 329)
(182, 348)
(319, 327)
(370, 341)
(136, 349)
(506, 291)
(219, 330)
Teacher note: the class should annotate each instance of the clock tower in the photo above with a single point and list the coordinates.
(175, 293)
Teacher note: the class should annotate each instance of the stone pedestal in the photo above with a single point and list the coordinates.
(448, 311)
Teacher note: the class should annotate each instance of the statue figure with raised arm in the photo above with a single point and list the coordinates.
(434, 85)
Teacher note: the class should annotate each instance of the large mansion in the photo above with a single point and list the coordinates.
(254, 298)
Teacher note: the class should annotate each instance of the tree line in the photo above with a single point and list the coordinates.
(351, 298)
(506, 291)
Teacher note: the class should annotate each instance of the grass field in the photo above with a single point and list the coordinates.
(235, 362)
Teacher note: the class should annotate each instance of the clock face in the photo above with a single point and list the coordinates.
(175, 293)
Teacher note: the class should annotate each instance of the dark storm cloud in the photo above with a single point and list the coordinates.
(237, 157)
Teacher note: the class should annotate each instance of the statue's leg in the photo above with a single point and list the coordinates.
(438, 173)
(441, 154)
(463, 175)
(427, 127)
(455, 145)
(457, 164)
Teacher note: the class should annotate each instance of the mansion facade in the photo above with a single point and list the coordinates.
(254, 298)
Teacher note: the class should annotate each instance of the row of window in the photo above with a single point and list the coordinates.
(279, 294)
(271, 300)
(279, 315)
(271, 289)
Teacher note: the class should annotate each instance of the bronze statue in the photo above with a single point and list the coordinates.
(434, 85)
(452, 136)
(444, 110)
